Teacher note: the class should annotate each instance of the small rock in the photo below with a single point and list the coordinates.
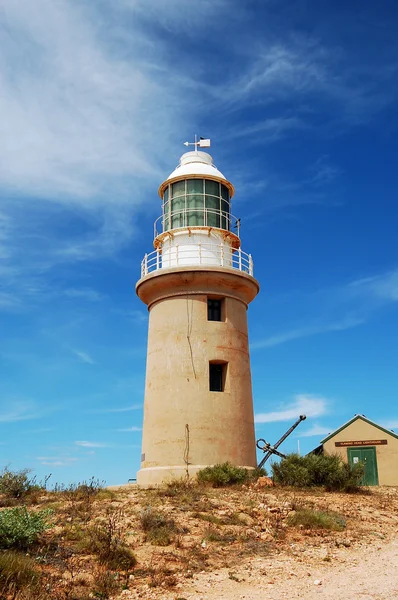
(317, 582)
(246, 519)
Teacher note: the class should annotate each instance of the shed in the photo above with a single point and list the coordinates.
(362, 440)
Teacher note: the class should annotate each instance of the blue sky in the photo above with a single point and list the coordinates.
(300, 101)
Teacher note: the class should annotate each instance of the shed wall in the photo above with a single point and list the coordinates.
(387, 455)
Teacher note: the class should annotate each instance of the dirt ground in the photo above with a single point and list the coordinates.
(188, 542)
(360, 563)
(360, 574)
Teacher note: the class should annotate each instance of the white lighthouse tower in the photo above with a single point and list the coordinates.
(197, 284)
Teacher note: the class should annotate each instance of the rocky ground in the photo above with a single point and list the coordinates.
(243, 542)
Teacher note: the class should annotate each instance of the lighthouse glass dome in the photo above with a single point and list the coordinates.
(196, 226)
(196, 202)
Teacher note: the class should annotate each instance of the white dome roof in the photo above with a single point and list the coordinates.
(197, 164)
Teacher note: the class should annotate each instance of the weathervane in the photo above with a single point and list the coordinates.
(202, 143)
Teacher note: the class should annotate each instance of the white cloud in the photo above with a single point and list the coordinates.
(382, 288)
(316, 430)
(113, 409)
(56, 461)
(83, 356)
(84, 444)
(303, 404)
(356, 301)
(130, 429)
(20, 410)
(307, 331)
(83, 294)
(89, 114)
(74, 108)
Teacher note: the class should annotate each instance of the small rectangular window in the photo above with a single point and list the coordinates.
(214, 309)
(217, 376)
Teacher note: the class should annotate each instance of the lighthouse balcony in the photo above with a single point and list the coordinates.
(197, 254)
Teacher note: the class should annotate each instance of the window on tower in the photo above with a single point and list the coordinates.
(215, 309)
(217, 376)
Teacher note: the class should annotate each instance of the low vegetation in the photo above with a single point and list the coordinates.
(17, 572)
(225, 474)
(17, 486)
(329, 471)
(83, 541)
(159, 530)
(317, 519)
(20, 528)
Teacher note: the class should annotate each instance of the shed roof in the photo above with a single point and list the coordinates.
(355, 418)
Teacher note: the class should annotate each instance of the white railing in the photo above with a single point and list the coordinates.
(212, 255)
(196, 217)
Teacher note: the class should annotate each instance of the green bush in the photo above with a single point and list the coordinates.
(20, 528)
(325, 470)
(17, 484)
(17, 572)
(223, 474)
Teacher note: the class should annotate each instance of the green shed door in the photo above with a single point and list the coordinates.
(367, 456)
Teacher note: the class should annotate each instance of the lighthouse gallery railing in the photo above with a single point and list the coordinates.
(213, 255)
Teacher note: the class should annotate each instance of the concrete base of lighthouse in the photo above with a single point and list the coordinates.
(186, 425)
(158, 475)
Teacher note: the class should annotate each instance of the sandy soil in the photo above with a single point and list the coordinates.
(368, 573)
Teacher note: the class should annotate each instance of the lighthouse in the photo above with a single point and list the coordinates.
(197, 284)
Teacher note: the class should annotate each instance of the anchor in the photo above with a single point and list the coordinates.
(269, 450)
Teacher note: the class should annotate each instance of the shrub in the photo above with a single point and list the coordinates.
(223, 474)
(106, 541)
(316, 519)
(17, 571)
(105, 585)
(325, 470)
(158, 528)
(17, 484)
(81, 491)
(110, 548)
(20, 528)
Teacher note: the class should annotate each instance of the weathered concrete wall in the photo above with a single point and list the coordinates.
(181, 342)
(387, 455)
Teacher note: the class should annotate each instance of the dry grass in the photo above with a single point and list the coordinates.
(163, 536)
(316, 519)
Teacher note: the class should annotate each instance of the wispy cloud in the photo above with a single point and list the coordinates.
(130, 429)
(383, 287)
(83, 294)
(306, 331)
(315, 430)
(302, 67)
(83, 356)
(20, 410)
(356, 302)
(116, 409)
(57, 461)
(311, 406)
(85, 444)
